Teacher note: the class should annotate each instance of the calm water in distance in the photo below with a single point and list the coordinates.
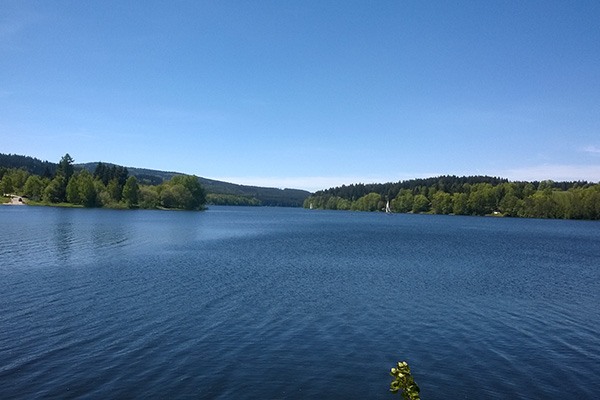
(276, 303)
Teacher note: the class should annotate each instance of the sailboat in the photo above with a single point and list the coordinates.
(388, 210)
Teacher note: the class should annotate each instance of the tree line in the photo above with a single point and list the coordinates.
(29, 164)
(477, 195)
(217, 192)
(231, 200)
(108, 186)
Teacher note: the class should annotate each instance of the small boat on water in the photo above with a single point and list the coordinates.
(388, 210)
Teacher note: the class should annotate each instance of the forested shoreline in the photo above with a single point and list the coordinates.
(476, 195)
(107, 186)
(217, 192)
(111, 186)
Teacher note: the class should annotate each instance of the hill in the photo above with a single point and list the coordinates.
(30, 164)
(272, 197)
(253, 194)
(467, 195)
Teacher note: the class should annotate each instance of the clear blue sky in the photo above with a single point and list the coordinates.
(306, 94)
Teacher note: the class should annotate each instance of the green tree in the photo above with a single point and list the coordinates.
(102, 172)
(332, 203)
(192, 184)
(55, 191)
(232, 200)
(527, 209)
(565, 203)
(591, 202)
(6, 185)
(87, 190)
(344, 204)
(46, 173)
(13, 180)
(403, 202)
(528, 190)
(114, 190)
(131, 192)
(121, 175)
(58, 187)
(369, 202)
(544, 205)
(509, 205)
(175, 196)
(442, 203)
(81, 189)
(148, 198)
(34, 188)
(481, 199)
(459, 203)
(18, 178)
(65, 167)
(420, 204)
(546, 185)
(73, 190)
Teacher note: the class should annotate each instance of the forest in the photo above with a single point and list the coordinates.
(475, 195)
(108, 186)
(217, 192)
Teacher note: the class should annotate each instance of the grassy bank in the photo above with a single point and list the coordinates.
(47, 204)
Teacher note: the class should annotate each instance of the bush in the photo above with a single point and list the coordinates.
(404, 381)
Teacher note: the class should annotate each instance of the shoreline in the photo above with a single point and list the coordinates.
(15, 201)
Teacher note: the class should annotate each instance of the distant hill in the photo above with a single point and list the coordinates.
(30, 164)
(266, 196)
(272, 197)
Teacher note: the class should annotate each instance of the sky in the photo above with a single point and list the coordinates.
(306, 94)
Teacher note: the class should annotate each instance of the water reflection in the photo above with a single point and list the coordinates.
(64, 236)
(107, 237)
(85, 236)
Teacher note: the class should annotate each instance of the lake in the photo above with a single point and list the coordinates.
(281, 303)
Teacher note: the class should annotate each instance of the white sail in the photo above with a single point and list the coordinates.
(388, 210)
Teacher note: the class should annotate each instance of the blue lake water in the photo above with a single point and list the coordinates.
(276, 303)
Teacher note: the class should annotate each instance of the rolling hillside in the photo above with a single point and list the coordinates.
(266, 196)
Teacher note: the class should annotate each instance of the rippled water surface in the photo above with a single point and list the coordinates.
(288, 303)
